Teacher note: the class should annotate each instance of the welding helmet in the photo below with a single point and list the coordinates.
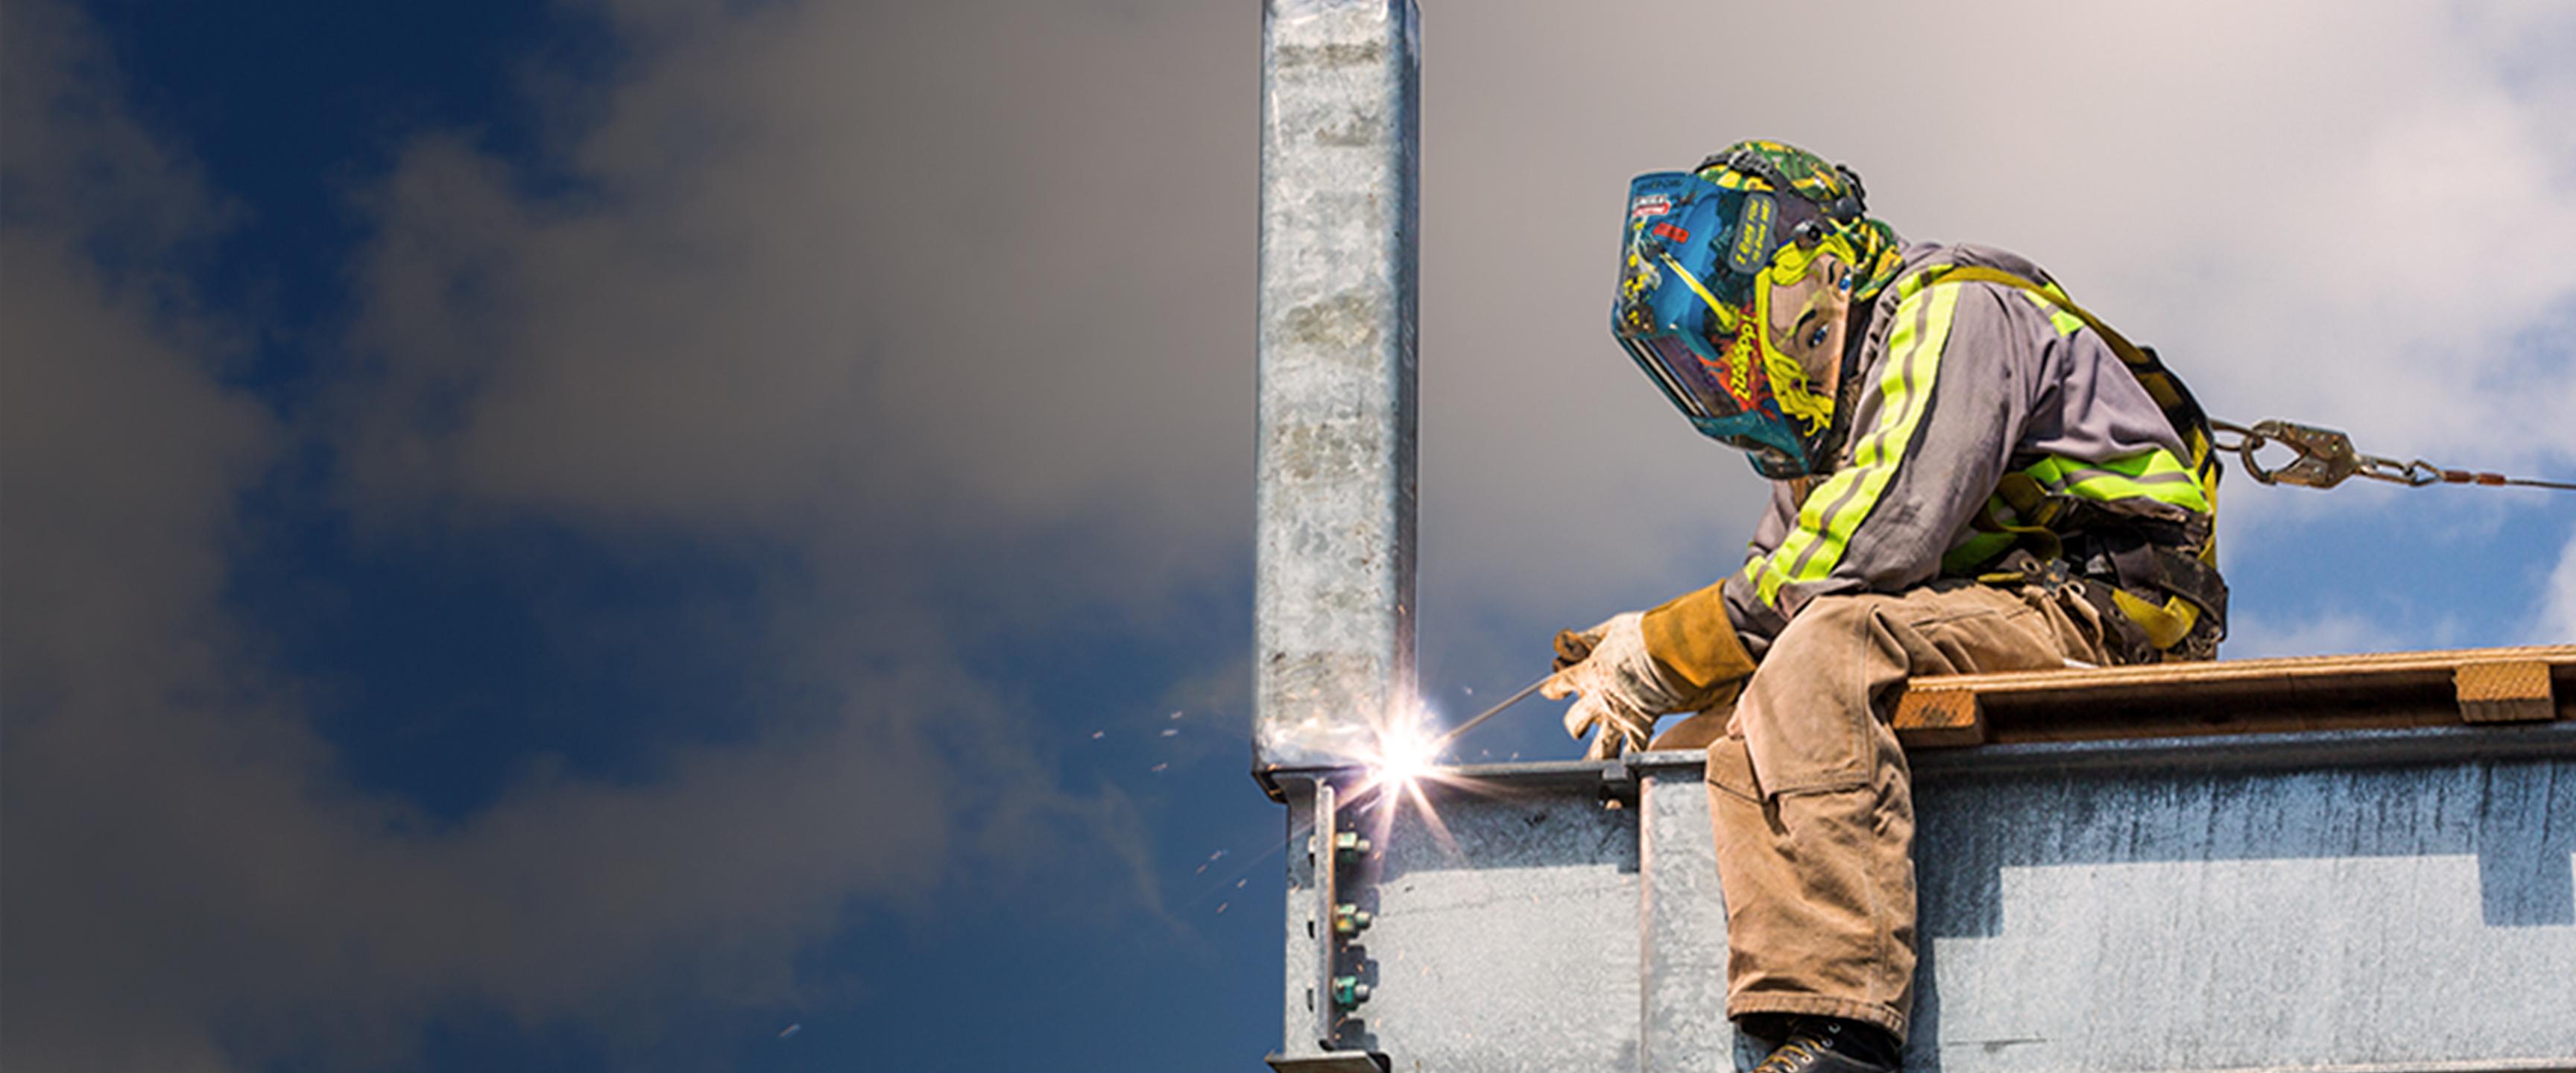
(1704, 253)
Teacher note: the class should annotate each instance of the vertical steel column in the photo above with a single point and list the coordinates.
(1333, 598)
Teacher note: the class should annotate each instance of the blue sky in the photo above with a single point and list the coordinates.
(584, 535)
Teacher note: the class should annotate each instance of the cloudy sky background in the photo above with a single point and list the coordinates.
(589, 535)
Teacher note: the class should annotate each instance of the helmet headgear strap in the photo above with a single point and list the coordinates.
(1752, 161)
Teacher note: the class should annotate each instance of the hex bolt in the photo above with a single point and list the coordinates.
(1348, 846)
(1349, 991)
(1350, 919)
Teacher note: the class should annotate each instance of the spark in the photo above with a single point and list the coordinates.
(791, 1030)
(1099, 734)
(1407, 750)
(1176, 715)
(1171, 732)
(1405, 756)
(1158, 768)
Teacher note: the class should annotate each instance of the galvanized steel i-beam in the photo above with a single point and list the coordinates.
(1335, 540)
(2377, 901)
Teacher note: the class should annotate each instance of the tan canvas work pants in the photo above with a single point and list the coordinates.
(1810, 796)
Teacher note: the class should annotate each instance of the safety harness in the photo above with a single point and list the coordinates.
(2139, 531)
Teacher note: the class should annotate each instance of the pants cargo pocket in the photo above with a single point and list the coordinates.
(1973, 629)
(1730, 769)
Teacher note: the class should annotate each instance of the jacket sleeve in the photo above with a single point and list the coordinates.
(1934, 428)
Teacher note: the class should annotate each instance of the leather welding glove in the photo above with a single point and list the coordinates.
(1619, 689)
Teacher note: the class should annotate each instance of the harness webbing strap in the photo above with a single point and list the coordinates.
(2188, 581)
(2161, 384)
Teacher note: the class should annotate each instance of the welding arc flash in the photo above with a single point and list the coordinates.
(1405, 755)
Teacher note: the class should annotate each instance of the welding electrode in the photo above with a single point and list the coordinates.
(1489, 713)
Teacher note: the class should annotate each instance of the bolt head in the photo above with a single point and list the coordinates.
(1349, 991)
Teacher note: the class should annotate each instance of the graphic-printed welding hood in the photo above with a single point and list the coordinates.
(1703, 251)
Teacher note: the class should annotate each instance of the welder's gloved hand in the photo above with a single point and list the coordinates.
(1619, 691)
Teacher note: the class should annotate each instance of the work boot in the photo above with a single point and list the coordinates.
(1830, 1045)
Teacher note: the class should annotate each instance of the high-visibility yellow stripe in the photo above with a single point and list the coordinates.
(1836, 508)
(1976, 550)
(2066, 323)
(1919, 282)
(2154, 474)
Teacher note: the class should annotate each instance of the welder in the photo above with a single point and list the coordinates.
(1969, 473)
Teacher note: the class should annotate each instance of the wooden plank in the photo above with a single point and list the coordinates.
(2504, 691)
(2267, 672)
(1940, 716)
(2241, 696)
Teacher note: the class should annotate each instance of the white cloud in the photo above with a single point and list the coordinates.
(2325, 632)
(780, 298)
(805, 286)
(2556, 622)
(192, 882)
